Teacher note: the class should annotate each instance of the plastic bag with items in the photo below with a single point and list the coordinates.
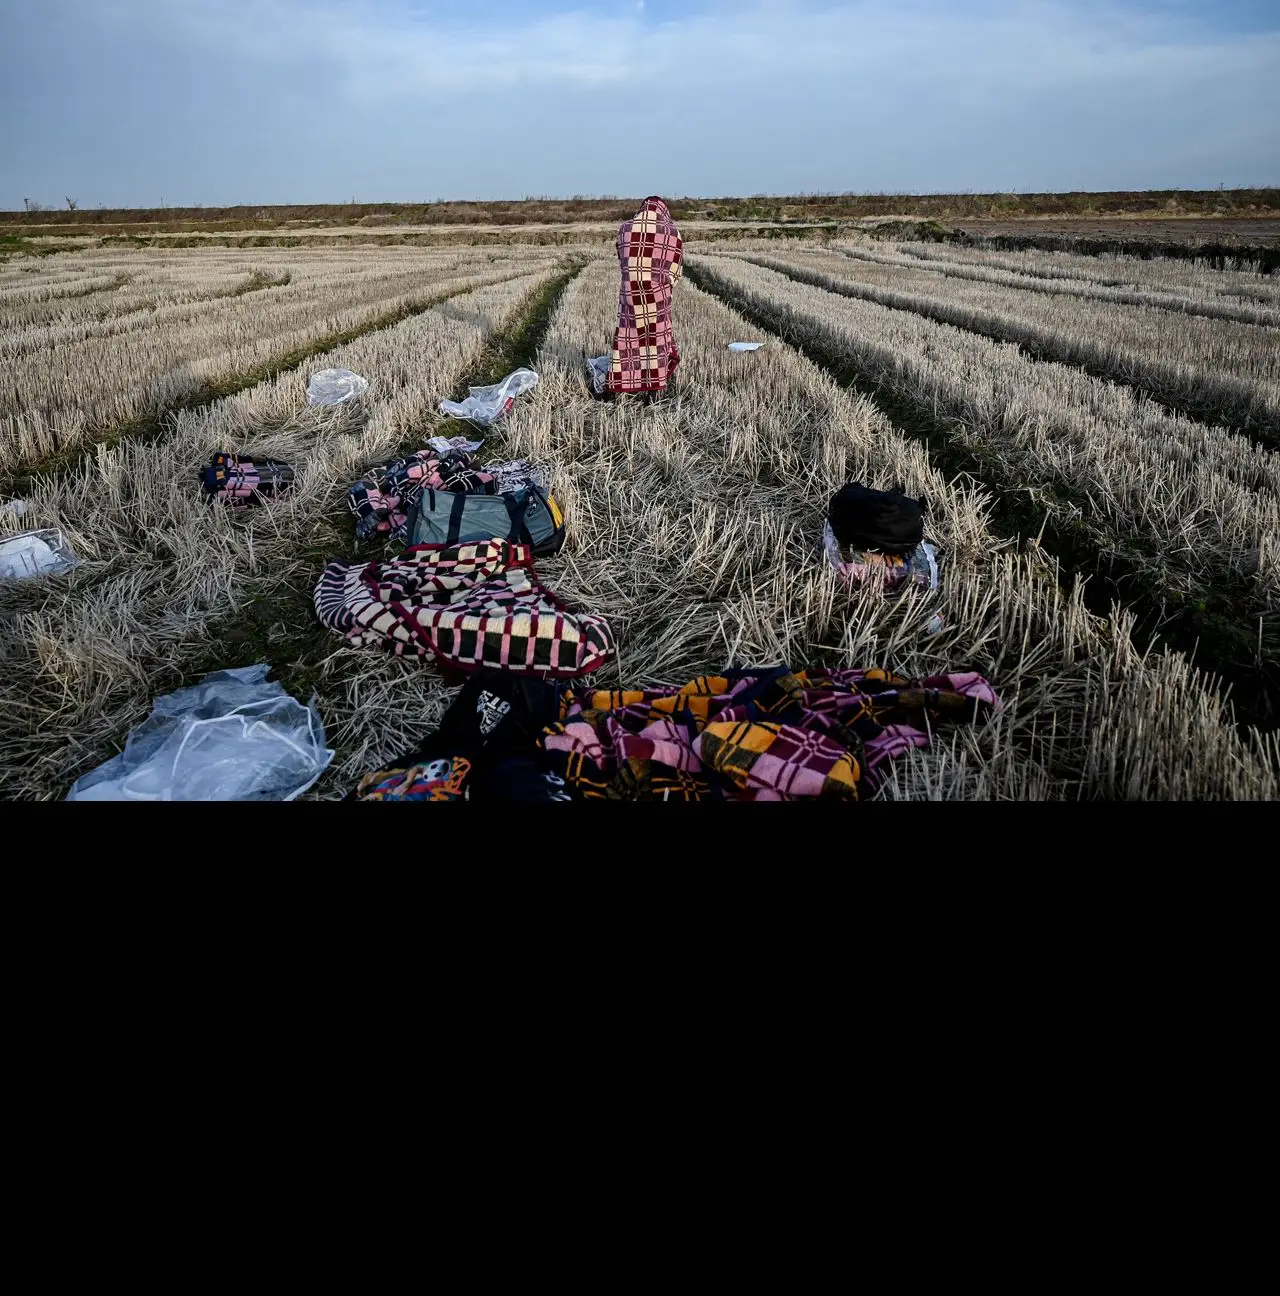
(335, 386)
(34, 553)
(486, 405)
(232, 737)
(598, 372)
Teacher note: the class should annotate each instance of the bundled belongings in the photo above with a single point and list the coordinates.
(486, 405)
(879, 535)
(240, 482)
(232, 737)
(486, 748)
(468, 605)
(857, 566)
(764, 735)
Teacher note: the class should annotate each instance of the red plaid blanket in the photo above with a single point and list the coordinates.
(651, 253)
(468, 605)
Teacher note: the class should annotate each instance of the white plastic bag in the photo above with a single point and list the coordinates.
(333, 386)
(34, 553)
(232, 737)
(745, 346)
(598, 371)
(17, 507)
(486, 405)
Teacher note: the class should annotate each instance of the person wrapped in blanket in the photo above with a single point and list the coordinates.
(651, 257)
(240, 482)
(383, 499)
(762, 735)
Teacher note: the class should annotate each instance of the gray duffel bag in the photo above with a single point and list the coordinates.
(526, 516)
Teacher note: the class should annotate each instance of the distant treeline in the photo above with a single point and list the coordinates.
(1219, 203)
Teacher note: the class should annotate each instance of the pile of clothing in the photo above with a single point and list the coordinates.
(764, 735)
(240, 482)
(486, 749)
(879, 535)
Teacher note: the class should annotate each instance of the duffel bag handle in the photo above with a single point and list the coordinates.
(516, 509)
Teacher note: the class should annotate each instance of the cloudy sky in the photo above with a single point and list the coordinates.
(134, 102)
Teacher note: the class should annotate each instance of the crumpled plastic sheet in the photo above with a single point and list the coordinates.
(334, 386)
(486, 405)
(232, 737)
(35, 553)
(17, 507)
(445, 444)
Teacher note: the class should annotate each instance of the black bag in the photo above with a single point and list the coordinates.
(862, 518)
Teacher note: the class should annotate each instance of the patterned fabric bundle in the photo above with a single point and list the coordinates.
(651, 253)
(239, 483)
(384, 498)
(436, 780)
(769, 735)
(468, 605)
(858, 566)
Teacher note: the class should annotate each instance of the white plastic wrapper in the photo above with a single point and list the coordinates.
(745, 346)
(445, 444)
(486, 405)
(334, 386)
(232, 737)
(34, 553)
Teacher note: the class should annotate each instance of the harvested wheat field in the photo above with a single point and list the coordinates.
(1096, 438)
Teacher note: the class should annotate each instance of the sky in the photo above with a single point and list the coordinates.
(127, 103)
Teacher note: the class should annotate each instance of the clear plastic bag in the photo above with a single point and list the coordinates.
(232, 737)
(334, 386)
(34, 553)
(598, 372)
(486, 405)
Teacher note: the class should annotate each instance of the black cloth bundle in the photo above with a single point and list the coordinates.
(862, 518)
